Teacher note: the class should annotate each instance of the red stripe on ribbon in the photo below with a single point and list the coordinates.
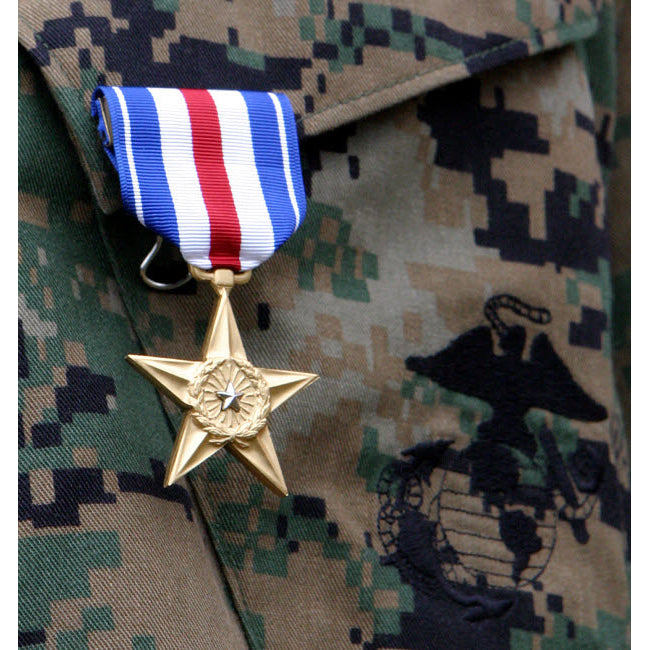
(225, 234)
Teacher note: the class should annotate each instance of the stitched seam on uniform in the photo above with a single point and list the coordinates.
(248, 630)
(404, 80)
(61, 75)
(593, 18)
(202, 511)
(64, 76)
(38, 39)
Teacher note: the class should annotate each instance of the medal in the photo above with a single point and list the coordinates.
(218, 174)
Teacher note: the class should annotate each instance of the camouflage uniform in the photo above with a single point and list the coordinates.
(459, 476)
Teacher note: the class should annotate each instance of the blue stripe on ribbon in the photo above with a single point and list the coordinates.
(157, 204)
(152, 190)
(294, 157)
(270, 168)
(116, 153)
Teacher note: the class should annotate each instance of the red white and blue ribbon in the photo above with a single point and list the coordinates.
(217, 172)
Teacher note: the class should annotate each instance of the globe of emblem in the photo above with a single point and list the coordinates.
(444, 533)
(476, 540)
(248, 412)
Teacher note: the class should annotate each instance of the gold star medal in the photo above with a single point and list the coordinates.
(228, 400)
(217, 173)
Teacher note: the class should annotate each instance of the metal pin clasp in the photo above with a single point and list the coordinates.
(154, 284)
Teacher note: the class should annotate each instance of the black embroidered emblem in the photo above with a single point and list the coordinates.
(462, 524)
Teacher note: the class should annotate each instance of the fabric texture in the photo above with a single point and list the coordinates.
(107, 558)
(459, 476)
(336, 60)
(215, 172)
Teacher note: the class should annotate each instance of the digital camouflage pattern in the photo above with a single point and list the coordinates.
(94, 521)
(337, 61)
(459, 476)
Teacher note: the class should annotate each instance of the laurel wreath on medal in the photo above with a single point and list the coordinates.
(255, 405)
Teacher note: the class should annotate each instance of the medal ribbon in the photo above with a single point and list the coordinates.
(217, 172)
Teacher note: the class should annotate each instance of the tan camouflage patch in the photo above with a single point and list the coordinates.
(166, 585)
(327, 619)
(600, 564)
(48, 298)
(111, 300)
(84, 457)
(32, 209)
(26, 84)
(81, 212)
(75, 354)
(37, 400)
(412, 327)
(42, 486)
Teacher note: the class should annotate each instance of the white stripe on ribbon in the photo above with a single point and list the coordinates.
(257, 243)
(129, 156)
(285, 157)
(182, 178)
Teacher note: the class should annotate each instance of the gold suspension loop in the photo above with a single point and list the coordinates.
(220, 277)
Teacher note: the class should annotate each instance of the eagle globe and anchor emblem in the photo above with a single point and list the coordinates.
(463, 521)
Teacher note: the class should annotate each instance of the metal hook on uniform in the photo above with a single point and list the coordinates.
(153, 284)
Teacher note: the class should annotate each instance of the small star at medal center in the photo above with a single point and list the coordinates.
(229, 397)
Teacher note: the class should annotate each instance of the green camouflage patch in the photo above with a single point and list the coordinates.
(322, 247)
(55, 579)
(84, 468)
